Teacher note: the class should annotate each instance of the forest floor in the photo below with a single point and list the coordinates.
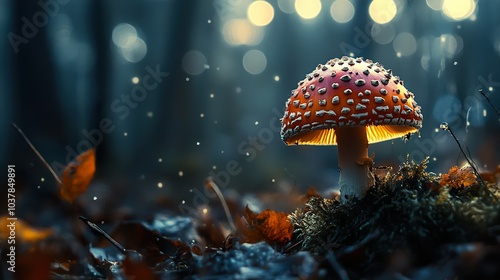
(413, 224)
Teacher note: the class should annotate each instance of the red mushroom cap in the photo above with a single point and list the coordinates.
(349, 92)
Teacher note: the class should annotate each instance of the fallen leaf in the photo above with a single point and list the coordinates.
(270, 226)
(22, 231)
(77, 175)
(458, 177)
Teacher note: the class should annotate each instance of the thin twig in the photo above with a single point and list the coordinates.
(99, 231)
(209, 183)
(444, 126)
(38, 154)
(489, 101)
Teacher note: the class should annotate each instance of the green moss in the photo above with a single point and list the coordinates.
(406, 210)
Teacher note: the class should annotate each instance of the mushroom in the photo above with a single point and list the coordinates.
(350, 102)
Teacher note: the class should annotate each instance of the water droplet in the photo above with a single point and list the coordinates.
(256, 123)
(209, 21)
(455, 63)
(444, 126)
(197, 143)
(276, 78)
(247, 154)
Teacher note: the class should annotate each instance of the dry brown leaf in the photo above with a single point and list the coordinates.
(270, 226)
(23, 231)
(77, 175)
(458, 177)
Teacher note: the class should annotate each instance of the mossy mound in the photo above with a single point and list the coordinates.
(407, 217)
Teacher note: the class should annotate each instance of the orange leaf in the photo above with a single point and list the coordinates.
(458, 177)
(22, 230)
(77, 175)
(270, 226)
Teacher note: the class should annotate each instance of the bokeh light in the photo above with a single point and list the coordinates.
(382, 11)
(436, 5)
(405, 44)
(254, 62)
(124, 35)
(260, 13)
(449, 45)
(194, 62)
(458, 9)
(342, 11)
(132, 47)
(135, 51)
(308, 9)
(287, 6)
(383, 33)
(241, 32)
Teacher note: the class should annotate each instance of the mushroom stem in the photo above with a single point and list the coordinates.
(356, 176)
